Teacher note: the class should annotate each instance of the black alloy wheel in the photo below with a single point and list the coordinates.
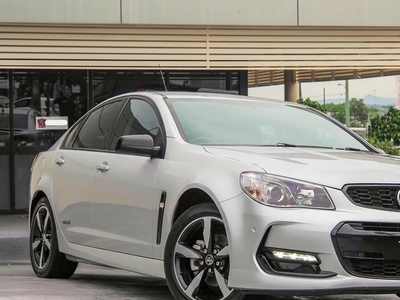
(197, 259)
(46, 259)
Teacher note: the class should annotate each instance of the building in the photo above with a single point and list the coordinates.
(100, 48)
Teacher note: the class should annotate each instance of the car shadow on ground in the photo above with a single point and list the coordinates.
(156, 288)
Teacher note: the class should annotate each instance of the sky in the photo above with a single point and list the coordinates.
(384, 87)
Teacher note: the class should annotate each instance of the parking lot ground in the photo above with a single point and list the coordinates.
(18, 281)
(14, 233)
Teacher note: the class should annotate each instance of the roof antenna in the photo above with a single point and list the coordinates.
(162, 76)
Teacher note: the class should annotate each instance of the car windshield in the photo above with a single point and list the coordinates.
(257, 123)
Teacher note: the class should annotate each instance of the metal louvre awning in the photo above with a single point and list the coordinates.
(266, 78)
(316, 53)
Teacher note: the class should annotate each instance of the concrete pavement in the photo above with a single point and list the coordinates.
(14, 235)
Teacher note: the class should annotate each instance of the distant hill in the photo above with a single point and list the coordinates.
(369, 100)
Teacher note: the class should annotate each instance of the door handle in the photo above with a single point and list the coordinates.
(103, 167)
(60, 160)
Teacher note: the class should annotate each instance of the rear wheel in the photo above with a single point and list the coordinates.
(197, 259)
(46, 259)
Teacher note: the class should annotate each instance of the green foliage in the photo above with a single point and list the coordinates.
(386, 127)
(373, 112)
(358, 111)
(386, 146)
(313, 104)
(356, 124)
(337, 112)
(384, 131)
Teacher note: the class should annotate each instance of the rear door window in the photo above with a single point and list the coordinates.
(96, 131)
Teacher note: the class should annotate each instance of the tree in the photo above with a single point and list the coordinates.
(386, 127)
(337, 111)
(358, 111)
(313, 104)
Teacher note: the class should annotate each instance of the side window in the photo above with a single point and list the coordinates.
(95, 133)
(138, 117)
(71, 136)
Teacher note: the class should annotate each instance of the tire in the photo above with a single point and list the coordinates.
(46, 260)
(196, 259)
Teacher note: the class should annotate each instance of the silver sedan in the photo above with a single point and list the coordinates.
(224, 196)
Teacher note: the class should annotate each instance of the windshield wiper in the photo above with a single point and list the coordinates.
(352, 149)
(285, 145)
(301, 146)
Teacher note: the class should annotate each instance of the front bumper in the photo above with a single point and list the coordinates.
(252, 226)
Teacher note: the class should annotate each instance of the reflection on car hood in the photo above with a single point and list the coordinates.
(328, 167)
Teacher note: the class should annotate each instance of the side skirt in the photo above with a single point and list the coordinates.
(137, 264)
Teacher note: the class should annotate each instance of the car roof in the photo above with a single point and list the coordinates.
(18, 110)
(29, 98)
(176, 95)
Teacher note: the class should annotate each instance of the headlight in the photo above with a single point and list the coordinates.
(282, 192)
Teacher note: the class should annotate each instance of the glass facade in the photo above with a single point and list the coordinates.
(27, 94)
(5, 192)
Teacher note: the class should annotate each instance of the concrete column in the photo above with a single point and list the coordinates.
(292, 87)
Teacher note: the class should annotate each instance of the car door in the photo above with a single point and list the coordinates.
(124, 197)
(73, 166)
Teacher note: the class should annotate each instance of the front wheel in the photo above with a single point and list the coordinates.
(46, 259)
(197, 261)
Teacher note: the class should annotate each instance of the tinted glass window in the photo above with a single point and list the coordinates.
(71, 136)
(22, 103)
(96, 131)
(138, 117)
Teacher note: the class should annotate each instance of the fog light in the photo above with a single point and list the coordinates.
(294, 256)
(291, 263)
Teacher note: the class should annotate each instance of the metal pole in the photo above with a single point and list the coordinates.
(12, 146)
(324, 99)
(346, 105)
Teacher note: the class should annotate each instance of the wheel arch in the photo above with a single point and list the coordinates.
(190, 198)
(35, 200)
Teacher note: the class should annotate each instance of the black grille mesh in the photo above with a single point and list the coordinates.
(376, 268)
(383, 197)
(380, 227)
(369, 249)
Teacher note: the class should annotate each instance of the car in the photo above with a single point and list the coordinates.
(25, 133)
(27, 102)
(4, 101)
(224, 196)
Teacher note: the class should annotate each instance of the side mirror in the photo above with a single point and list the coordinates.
(142, 144)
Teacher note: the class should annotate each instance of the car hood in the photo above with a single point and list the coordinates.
(333, 168)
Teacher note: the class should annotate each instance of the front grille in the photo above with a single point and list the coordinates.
(369, 249)
(376, 268)
(380, 227)
(380, 197)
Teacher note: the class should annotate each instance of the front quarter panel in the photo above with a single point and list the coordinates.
(188, 167)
